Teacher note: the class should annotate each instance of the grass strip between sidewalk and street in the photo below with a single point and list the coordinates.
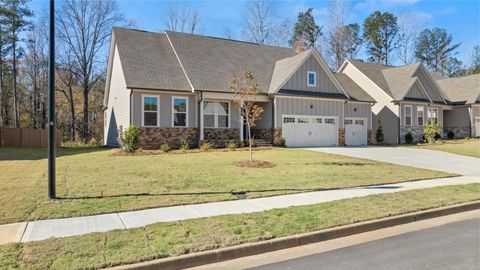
(168, 239)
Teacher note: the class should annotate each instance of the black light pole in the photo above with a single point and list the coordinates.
(51, 105)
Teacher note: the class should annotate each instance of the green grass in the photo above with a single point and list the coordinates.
(466, 147)
(94, 180)
(176, 238)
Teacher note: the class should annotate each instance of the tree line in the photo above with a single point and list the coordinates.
(83, 30)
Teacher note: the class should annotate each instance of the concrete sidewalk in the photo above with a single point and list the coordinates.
(43, 229)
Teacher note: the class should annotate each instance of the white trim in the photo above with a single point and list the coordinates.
(158, 109)
(173, 111)
(368, 79)
(314, 78)
(275, 112)
(405, 106)
(241, 121)
(178, 58)
(423, 114)
(421, 86)
(201, 120)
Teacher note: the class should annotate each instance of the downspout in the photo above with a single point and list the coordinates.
(470, 121)
(199, 118)
(273, 120)
(131, 107)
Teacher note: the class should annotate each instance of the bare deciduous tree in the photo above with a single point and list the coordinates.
(282, 33)
(258, 21)
(228, 33)
(85, 27)
(245, 91)
(410, 26)
(181, 19)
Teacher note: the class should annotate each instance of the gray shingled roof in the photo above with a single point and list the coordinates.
(463, 89)
(148, 61)
(400, 80)
(284, 67)
(352, 89)
(210, 62)
(374, 73)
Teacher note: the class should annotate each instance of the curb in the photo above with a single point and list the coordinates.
(244, 250)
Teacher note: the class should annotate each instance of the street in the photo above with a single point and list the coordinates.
(451, 246)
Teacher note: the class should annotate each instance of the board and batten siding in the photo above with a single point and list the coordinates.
(298, 81)
(266, 117)
(299, 106)
(457, 117)
(429, 85)
(359, 110)
(165, 107)
(118, 106)
(475, 111)
(416, 92)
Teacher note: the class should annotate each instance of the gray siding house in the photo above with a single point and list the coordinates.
(175, 86)
(464, 94)
(407, 97)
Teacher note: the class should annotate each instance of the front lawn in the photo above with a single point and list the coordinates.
(94, 180)
(467, 147)
(168, 239)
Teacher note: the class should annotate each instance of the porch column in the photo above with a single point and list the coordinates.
(201, 120)
(241, 122)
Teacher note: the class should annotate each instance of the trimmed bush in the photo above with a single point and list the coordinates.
(165, 147)
(431, 132)
(282, 142)
(379, 134)
(408, 138)
(231, 145)
(129, 139)
(450, 135)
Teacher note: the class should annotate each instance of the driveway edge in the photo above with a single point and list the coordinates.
(249, 249)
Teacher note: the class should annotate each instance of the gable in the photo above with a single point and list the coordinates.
(298, 81)
(416, 92)
(429, 85)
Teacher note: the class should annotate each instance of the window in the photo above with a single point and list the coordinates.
(420, 115)
(179, 111)
(311, 78)
(303, 120)
(317, 120)
(359, 122)
(289, 120)
(150, 111)
(348, 121)
(408, 115)
(216, 114)
(433, 115)
(329, 121)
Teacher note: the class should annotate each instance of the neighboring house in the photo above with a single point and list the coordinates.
(175, 86)
(464, 95)
(407, 97)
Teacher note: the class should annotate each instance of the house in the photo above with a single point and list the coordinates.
(464, 94)
(407, 97)
(175, 86)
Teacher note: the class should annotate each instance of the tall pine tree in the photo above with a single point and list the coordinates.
(380, 31)
(306, 30)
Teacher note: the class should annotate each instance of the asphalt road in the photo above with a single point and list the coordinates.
(451, 246)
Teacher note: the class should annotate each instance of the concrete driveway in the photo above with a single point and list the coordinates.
(409, 156)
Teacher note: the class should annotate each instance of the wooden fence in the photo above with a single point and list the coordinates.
(27, 137)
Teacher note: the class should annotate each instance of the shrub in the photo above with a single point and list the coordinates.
(408, 138)
(129, 139)
(184, 145)
(231, 145)
(450, 135)
(379, 134)
(431, 132)
(205, 146)
(281, 142)
(165, 147)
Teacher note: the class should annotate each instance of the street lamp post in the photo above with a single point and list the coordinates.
(51, 105)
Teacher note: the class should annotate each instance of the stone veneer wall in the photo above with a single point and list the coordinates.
(262, 134)
(341, 137)
(369, 137)
(417, 133)
(152, 138)
(460, 132)
(220, 136)
(277, 136)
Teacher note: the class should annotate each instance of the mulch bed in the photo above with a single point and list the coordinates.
(254, 164)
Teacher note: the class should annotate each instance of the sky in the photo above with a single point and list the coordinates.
(461, 18)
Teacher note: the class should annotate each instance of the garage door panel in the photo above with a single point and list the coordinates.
(307, 130)
(355, 131)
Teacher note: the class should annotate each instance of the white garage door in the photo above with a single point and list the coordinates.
(477, 126)
(306, 130)
(355, 131)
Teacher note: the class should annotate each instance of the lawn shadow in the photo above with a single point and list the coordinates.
(37, 153)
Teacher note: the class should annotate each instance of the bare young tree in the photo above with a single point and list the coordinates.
(67, 80)
(258, 21)
(85, 27)
(181, 19)
(245, 91)
(228, 33)
(282, 33)
(410, 27)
